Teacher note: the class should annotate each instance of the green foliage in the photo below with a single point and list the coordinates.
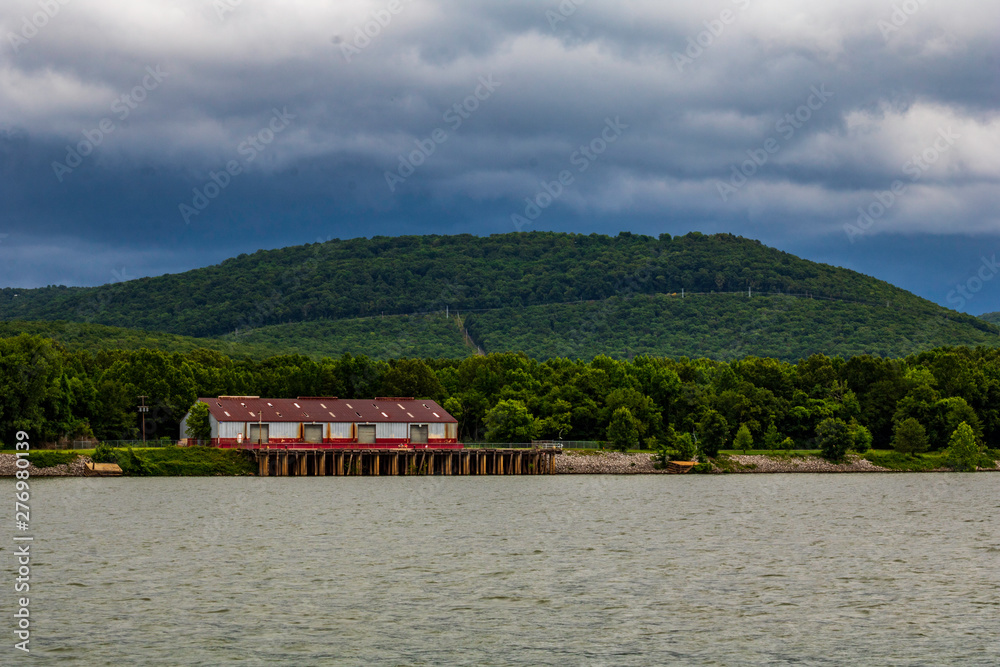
(104, 454)
(411, 377)
(713, 432)
(894, 460)
(861, 437)
(772, 438)
(47, 458)
(725, 463)
(910, 437)
(744, 440)
(199, 425)
(623, 431)
(131, 463)
(556, 294)
(682, 447)
(196, 461)
(685, 447)
(510, 421)
(834, 438)
(964, 453)
(786, 445)
(54, 392)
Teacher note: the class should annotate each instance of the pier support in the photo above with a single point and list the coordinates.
(376, 462)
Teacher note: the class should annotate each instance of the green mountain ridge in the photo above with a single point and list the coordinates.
(544, 293)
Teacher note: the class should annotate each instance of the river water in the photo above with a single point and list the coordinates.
(563, 570)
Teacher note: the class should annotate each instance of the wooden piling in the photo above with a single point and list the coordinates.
(381, 462)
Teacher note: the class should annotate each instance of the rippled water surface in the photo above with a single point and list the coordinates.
(563, 570)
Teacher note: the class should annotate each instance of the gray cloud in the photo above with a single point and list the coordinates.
(360, 103)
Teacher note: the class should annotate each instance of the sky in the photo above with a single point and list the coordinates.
(151, 136)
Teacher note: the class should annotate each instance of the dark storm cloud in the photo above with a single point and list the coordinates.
(700, 88)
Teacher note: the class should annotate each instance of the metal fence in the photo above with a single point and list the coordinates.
(541, 444)
(117, 444)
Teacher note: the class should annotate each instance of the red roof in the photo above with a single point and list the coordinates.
(252, 408)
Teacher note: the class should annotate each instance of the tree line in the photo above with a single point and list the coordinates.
(58, 393)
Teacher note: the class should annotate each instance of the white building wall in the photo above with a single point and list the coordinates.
(229, 429)
(435, 431)
(340, 430)
(392, 430)
(285, 430)
(215, 425)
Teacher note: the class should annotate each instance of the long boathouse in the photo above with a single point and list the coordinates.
(329, 436)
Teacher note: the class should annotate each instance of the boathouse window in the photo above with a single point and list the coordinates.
(313, 433)
(366, 434)
(258, 433)
(418, 434)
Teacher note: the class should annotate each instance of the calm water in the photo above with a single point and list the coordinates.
(791, 569)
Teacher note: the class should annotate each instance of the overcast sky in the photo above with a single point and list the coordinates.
(153, 136)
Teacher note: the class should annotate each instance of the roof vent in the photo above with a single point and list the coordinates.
(271, 406)
(385, 415)
(332, 415)
(297, 405)
(436, 415)
(227, 414)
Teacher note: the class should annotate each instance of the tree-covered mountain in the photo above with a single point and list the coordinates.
(546, 294)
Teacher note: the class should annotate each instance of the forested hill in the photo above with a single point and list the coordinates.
(409, 274)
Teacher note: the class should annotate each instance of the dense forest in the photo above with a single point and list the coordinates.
(54, 392)
(547, 295)
(417, 274)
(386, 337)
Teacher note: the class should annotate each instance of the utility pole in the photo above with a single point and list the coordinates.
(143, 409)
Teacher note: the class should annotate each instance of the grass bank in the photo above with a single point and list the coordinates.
(184, 462)
(159, 461)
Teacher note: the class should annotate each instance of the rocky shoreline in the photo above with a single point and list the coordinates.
(605, 463)
(750, 463)
(8, 466)
(616, 463)
(580, 463)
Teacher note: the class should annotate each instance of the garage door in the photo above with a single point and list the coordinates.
(258, 433)
(313, 433)
(366, 434)
(418, 434)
